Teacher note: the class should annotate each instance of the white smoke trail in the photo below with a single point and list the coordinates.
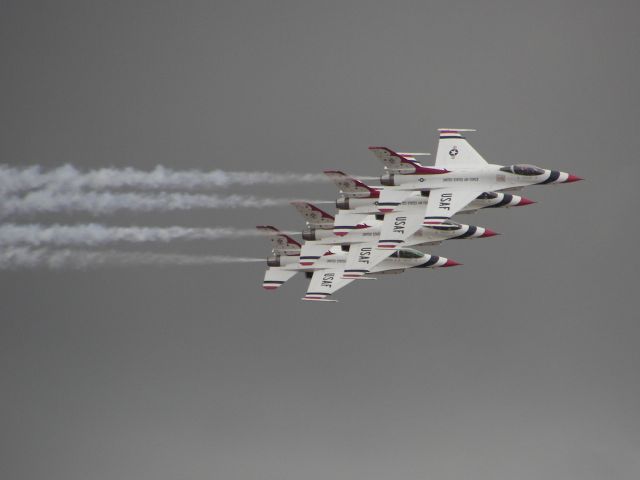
(93, 234)
(97, 203)
(68, 177)
(12, 258)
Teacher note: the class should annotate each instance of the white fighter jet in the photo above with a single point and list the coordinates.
(358, 200)
(328, 274)
(460, 174)
(320, 237)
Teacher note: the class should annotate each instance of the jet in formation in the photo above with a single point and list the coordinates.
(378, 229)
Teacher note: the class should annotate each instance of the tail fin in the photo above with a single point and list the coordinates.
(403, 163)
(455, 151)
(351, 186)
(394, 162)
(314, 216)
(280, 242)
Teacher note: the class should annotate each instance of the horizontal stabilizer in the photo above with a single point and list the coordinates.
(311, 252)
(274, 278)
(346, 223)
(391, 199)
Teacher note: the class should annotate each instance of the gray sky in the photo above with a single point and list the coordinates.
(521, 364)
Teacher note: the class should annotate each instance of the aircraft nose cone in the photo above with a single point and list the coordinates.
(451, 263)
(525, 201)
(573, 178)
(488, 233)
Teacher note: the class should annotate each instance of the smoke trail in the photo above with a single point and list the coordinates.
(68, 177)
(93, 234)
(97, 203)
(12, 258)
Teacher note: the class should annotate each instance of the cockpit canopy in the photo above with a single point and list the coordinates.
(523, 169)
(446, 225)
(406, 253)
(488, 195)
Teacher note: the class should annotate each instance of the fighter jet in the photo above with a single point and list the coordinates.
(329, 274)
(459, 176)
(358, 200)
(320, 237)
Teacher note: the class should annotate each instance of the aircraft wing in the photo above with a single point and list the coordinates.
(324, 283)
(398, 226)
(454, 151)
(362, 258)
(444, 203)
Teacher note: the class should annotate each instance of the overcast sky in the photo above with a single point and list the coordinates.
(521, 364)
